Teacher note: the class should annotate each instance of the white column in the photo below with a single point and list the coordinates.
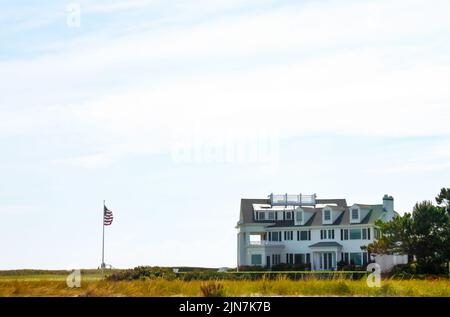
(241, 249)
(238, 250)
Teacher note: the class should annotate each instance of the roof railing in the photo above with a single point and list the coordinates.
(292, 200)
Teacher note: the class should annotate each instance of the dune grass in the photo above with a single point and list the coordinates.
(162, 287)
(47, 275)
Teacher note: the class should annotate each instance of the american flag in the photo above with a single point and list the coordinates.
(107, 216)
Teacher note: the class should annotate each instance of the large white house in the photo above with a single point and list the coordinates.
(303, 229)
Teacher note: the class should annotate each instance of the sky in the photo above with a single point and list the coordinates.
(172, 111)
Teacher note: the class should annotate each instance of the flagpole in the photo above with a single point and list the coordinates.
(103, 240)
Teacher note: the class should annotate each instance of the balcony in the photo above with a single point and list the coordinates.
(264, 243)
(292, 200)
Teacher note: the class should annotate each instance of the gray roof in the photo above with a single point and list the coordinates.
(364, 206)
(325, 244)
(375, 212)
(339, 202)
(246, 215)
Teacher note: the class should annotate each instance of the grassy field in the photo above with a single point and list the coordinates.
(92, 284)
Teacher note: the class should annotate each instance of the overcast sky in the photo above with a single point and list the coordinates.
(172, 111)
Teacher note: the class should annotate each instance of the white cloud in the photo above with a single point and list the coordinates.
(304, 83)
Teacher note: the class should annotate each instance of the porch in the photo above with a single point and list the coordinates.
(325, 255)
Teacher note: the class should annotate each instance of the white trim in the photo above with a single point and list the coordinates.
(329, 221)
(354, 207)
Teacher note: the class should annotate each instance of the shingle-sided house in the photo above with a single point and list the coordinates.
(303, 229)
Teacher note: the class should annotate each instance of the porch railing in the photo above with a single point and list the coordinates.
(264, 243)
(292, 200)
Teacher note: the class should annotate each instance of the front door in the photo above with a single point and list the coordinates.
(326, 261)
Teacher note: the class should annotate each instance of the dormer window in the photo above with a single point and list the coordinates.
(271, 215)
(326, 216)
(261, 215)
(299, 217)
(355, 214)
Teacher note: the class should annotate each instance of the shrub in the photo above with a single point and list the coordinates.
(350, 267)
(341, 264)
(292, 267)
(401, 269)
(143, 272)
(212, 289)
(251, 268)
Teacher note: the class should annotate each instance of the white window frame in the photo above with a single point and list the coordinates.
(325, 221)
(289, 234)
(308, 235)
(256, 254)
(333, 234)
(296, 222)
(353, 220)
(350, 233)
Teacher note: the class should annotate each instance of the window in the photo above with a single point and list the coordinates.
(365, 258)
(289, 215)
(327, 234)
(262, 215)
(327, 214)
(271, 215)
(356, 258)
(274, 236)
(301, 258)
(355, 214)
(304, 235)
(355, 234)
(364, 234)
(299, 216)
(344, 234)
(288, 235)
(256, 259)
(290, 258)
(331, 234)
(276, 259)
(345, 257)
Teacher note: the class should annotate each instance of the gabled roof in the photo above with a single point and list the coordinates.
(375, 212)
(339, 202)
(364, 206)
(246, 214)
